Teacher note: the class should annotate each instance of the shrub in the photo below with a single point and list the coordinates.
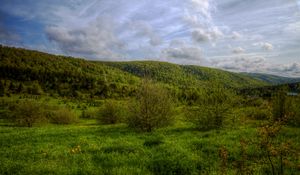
(294, 118)
(258, 113)
(110, 113)
(62, 116)
(152, 108)
(89, 114)
(211, 109)
(35, 89)
(27, 113)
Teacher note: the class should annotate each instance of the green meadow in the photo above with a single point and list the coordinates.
(62, 115)
(87, 147)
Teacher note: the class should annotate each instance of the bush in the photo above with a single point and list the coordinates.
(89, 114)
(110, 113)
(294, 118)
(27, 113)
(152, 108)
(62, 116)
(201, 117)
(212, 108)
(35, 89)
(258, 113)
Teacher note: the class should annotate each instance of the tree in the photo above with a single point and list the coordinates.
(211, 108)
(152, 108)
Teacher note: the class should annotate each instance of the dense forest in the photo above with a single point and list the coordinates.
(32, 71)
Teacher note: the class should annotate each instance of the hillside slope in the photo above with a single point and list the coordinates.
(186, 75)
(69, 76)
(64, 75)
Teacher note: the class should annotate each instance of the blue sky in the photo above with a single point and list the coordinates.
(236, 35)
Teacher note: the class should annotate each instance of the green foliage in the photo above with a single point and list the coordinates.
(281, 105)
(168, 162)
(35, 89)
(153, 141)
(62, 116)
(212, 108)
(63, 75)
(294, 117)
(89, 114)
(261, 112)
(27, 113)
(152, 108)
(111, 113)
(121, 149)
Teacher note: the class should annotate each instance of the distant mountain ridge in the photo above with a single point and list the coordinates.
(273, 79)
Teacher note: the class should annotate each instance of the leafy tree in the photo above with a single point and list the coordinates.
(152, 108)
(212, 107)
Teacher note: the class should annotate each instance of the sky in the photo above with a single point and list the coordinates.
(260, 36)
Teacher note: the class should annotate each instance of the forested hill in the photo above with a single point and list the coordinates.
(181, 75)
(68, 76)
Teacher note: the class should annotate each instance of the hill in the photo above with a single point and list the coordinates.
(273, 79)
(186, 75)
(73, 77)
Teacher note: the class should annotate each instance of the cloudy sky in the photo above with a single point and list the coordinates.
(236, 35)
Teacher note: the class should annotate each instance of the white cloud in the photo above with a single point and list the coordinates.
(203, 7)
(199, 35)
(241, 64)
(183, 53)
(97, 40)
(265, 46)
(238, 50)
(143, 29)
(257, 64)
(236, 35)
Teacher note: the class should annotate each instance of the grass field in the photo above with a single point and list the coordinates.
(89, 148)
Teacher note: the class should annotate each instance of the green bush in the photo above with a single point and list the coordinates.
(201, 117)
(62, 116)
(111, 113)
(27, 113)
(152, 108)
(258, 113)
(89, 114)
(212, 108)
(294, 118)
